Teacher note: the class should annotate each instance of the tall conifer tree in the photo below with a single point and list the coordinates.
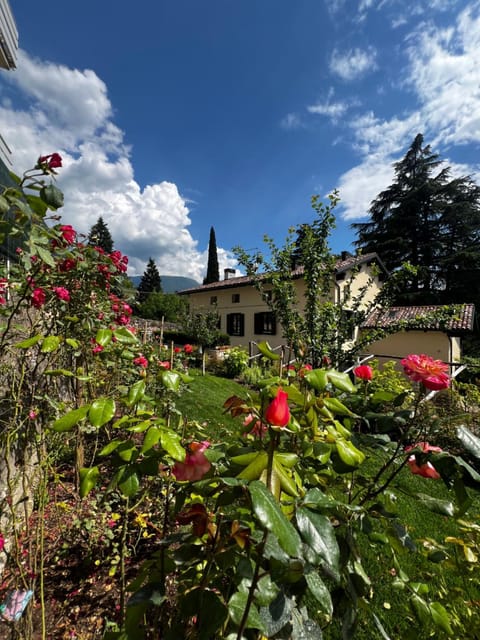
(430, 220)
(150, 282)
(100, 236)
(213, 274)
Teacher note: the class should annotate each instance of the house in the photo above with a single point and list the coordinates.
(429, 335)
(245, 315)
(8, 55)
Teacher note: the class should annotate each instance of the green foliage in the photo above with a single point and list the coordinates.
(430, 220)
(100, 236)
(213, 274)
(150, 282)
(235, 362)
(202, 326)
(169, 306)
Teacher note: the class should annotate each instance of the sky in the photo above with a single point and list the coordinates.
(173, 116)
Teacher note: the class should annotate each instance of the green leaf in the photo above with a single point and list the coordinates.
(171, 443)
(75, 344)
(45, 256)
(104, 337)
(341, 381)
(236, 608)
(254, 470)
(349, 454)
(125, 336)
(50, 344)
(441, 617)
(469, 441)
(209, 608)
(318, 533)
(317, 378)
(136, 393)
(36, 204)
(127, 451)
(320, 592)
(52, 196)
(129, 482)
(111, 446)
(101, 411)
(268, 512)
(88, 479)
(29, 342)
(70, 419)
(266, 350)
(338, 407)
(444, 507)
(151, 438)
(171, 380)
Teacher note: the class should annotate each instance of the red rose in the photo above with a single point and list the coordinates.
(278, 412)
(52, 161)
(363, 372)
(38, 298)
(68, 233)
(188, 348)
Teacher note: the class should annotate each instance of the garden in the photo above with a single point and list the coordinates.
(141, 499)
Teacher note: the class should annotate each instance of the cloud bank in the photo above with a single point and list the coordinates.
(68, 111)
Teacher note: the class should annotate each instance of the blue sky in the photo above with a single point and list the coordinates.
(173, 116)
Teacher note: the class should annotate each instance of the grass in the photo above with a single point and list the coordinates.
(204, 402)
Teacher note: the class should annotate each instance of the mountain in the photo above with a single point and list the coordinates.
(170, 284)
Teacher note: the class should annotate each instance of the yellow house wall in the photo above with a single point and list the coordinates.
(431, 343)
(251, 302)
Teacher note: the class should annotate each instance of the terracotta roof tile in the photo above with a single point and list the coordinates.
(243, 281)
(461, 319)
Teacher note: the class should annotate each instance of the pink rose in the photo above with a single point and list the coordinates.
(427, 470)
(62, 293)
(429, 372)
(196, 464)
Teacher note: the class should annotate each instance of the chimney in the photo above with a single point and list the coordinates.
(227, 273)
(346, 255)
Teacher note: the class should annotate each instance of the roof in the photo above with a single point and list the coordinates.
(342, 265)
(449, 318)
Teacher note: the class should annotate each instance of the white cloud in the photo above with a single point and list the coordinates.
(291, 122)
(69, 111)
(443, 71)
(354, 63)
(332, 110)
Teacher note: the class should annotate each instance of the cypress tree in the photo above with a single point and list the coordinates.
(100, 236)
(150, 282)
(213, 274)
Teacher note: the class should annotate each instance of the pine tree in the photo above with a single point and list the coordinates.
(150, 282)
(100, 236)
(213, 274)
(430, 220)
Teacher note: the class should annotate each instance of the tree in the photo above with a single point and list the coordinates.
(430, 220)
(150, 282)
(100, 236)
(213, 274)
(169, 306)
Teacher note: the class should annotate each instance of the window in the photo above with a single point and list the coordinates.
(235, 297)
(213, 299)
(265, 324)
(235, 324)
(268, 296)
(348, 321)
